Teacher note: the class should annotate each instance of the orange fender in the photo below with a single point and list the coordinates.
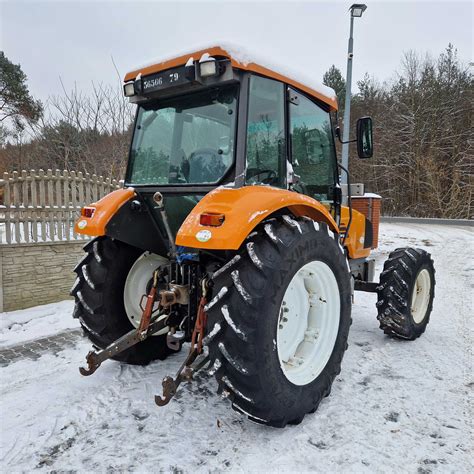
(244, 208)
(105, 208)
(355, 238)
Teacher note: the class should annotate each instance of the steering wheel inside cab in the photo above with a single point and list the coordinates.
(265, 176)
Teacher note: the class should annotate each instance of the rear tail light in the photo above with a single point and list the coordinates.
(212, 220)
(87, 211)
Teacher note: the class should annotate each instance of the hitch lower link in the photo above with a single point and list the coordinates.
(149, 325)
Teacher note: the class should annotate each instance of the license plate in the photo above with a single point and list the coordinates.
(164, 80)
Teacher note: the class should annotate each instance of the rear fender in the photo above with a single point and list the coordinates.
(244, 208)
(105, 209)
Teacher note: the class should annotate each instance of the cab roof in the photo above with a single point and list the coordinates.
(240, 59)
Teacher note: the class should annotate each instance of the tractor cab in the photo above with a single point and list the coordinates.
(191, 139)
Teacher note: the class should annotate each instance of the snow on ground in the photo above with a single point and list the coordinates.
(41, 321)
(396, 406)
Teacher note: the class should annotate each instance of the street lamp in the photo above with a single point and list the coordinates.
(356, 12)
(357, 9)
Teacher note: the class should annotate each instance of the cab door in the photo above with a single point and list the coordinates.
(312, 149)
(266, 134)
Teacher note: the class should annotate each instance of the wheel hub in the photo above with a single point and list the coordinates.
(138, 283)
(308, 322)
(421, 296)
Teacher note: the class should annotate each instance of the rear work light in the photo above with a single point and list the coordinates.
(209, 66)
(212, 220)
(87, 211)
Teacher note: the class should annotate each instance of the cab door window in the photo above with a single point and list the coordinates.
(312, 148)
(266, 150)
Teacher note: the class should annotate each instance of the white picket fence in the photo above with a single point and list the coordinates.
(42, 206)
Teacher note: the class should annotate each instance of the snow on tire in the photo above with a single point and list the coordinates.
(253, 360)
(406, 293)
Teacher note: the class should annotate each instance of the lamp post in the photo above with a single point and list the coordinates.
(356, 12)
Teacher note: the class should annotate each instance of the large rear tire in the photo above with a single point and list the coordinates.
(289, 282)
(99, 296)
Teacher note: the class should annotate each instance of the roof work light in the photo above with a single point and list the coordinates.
(208, 66)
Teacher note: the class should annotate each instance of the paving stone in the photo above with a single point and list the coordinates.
(35, 349)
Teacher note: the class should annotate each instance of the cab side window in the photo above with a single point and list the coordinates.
(266, 150)
(312, 148)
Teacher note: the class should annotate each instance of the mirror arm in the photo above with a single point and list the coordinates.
(338, 135)
(348, 141)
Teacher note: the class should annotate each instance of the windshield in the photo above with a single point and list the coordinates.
(185, 140)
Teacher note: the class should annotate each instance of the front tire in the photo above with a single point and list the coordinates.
(99, 299)
(406, 293)
(256, 360)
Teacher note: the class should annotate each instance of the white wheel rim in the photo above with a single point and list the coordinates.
(308, 323)
(421, 296)
(136, 284)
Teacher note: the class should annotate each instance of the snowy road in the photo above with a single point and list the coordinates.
(396, 406)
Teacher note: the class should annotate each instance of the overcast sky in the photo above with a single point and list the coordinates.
(76, 40)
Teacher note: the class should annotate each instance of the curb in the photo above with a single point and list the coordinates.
(428, 220)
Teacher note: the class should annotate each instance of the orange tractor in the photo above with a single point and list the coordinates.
(231, 234)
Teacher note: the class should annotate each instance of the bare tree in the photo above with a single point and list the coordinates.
(89, 133)
(423, 164)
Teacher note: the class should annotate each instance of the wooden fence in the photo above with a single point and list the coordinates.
(39, 206)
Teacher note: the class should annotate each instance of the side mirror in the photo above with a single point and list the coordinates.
(365, 146)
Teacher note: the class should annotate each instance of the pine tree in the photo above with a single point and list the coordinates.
(333, 78)
(16, 103)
